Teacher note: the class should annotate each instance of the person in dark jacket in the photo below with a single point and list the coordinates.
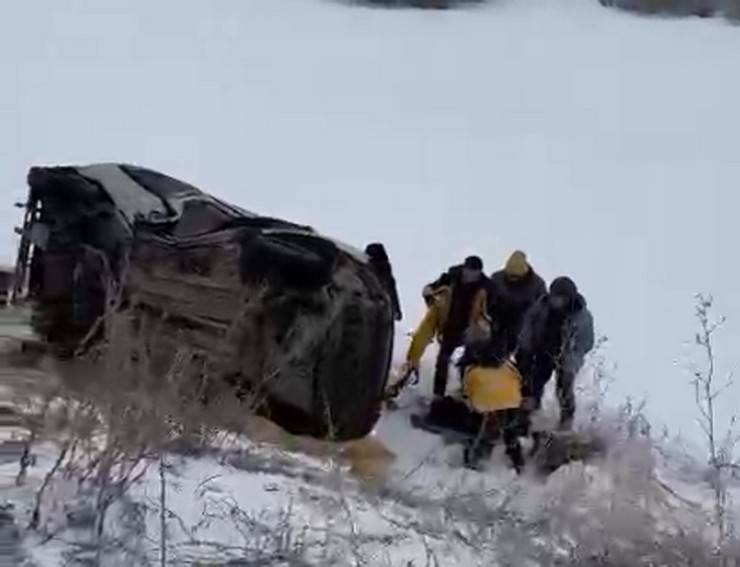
(381, 265)
(556, 335)
(511, 293)
(467, 284)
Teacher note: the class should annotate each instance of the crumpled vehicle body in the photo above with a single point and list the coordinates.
(302, 320)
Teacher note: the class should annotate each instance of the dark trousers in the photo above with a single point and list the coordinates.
(536, 370)
(508, 339)
(442, 369)
(504, 423)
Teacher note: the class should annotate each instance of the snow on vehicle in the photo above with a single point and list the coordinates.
(305, 320)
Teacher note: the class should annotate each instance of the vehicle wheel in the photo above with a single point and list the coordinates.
(352, 370)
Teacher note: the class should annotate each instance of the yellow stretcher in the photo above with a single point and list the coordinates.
(490, 389)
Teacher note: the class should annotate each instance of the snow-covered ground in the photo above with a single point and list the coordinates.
(602, 143)
(399, 498)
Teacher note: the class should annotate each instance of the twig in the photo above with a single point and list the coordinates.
(162, 513)
(705, 396)
(36, 515)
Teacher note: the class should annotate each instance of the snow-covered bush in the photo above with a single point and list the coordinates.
(119, 491)
(702, 8)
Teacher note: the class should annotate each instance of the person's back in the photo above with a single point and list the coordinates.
(578, 335)
(463, 304)
(559, 323)
(556, 335)
(512, 291)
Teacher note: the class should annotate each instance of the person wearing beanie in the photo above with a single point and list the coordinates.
(517, 265)
(557, 333)
(512, 291)
(463, 289)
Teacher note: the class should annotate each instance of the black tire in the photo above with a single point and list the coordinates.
(352, 370)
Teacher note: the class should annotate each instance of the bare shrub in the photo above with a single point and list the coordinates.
(721, 441)
(126, 401)
(592, 393)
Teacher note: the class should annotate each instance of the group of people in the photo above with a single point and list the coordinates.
(512, 321)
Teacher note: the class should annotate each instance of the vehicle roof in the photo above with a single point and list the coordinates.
(145, 193)
(142, 194)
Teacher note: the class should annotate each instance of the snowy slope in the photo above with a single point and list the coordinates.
(400, 497)
(257, 500)
(603, 144)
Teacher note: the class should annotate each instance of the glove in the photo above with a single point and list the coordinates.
(408, 373)
(407, 368)
(416, 377)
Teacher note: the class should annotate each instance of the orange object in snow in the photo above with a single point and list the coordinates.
(490, 388)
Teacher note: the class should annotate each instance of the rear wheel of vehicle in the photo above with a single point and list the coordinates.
(352, 369)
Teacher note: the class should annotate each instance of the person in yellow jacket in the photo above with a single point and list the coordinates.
(456, 306)
(493, 387)
(491, 382)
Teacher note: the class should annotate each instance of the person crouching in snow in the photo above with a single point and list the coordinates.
(456, 301)
(492, 387)
(556, 335)
(511, 293)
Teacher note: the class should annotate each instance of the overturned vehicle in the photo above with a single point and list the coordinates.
(301, 320)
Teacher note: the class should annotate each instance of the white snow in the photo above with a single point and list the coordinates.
(602, 143)
(263, 498)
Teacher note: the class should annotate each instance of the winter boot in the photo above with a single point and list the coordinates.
(566, 423)
(476, 452)
(536, 442)
(514, 452)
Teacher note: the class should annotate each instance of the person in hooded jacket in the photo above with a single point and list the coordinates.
(511, 293)
(557, 333)
(381, 265)
(466, 287)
